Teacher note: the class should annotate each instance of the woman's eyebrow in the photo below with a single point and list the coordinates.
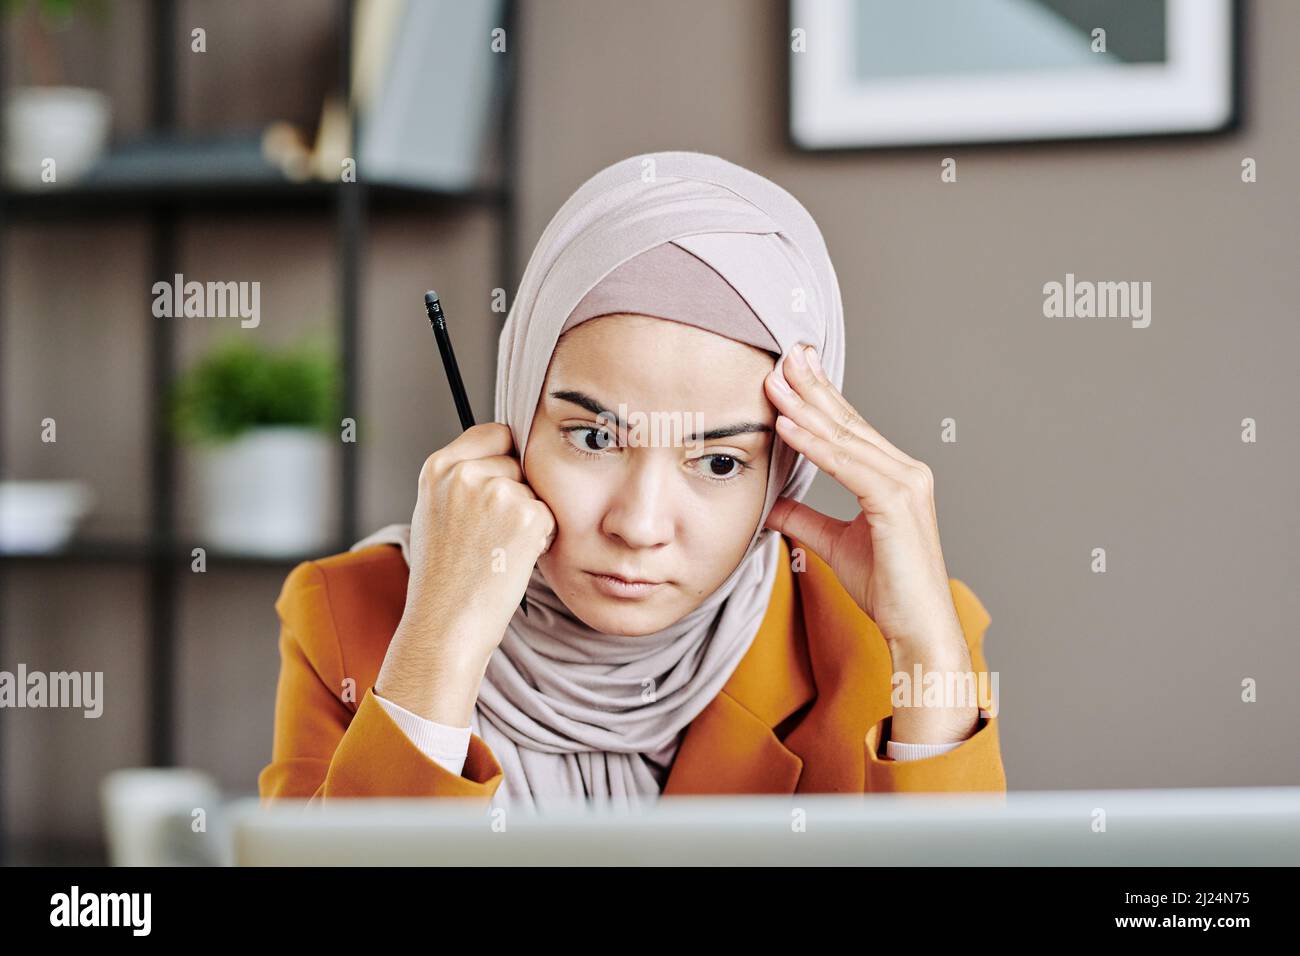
(598, 408)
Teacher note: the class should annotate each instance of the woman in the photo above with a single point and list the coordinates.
(657, 421)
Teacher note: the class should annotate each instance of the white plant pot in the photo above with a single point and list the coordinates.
(67, 124)
(267, 492)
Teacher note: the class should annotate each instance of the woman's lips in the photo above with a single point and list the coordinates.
(614, 586)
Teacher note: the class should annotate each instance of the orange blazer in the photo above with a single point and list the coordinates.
(807, 710)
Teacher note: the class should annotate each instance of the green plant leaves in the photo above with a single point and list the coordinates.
(239, 385)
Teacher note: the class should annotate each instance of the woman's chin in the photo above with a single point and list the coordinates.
(616, 616)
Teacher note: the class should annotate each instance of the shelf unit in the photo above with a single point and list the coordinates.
(208, 192)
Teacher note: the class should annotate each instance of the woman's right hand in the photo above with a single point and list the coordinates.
(476, 533)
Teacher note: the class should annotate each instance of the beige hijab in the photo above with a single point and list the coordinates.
(568, 711)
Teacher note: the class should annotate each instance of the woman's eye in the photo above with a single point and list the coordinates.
(723, 466)
(597, 439)
(590, 439)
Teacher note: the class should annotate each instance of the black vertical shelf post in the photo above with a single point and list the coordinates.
(163, 259)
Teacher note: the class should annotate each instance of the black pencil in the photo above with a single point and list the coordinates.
(438, 321)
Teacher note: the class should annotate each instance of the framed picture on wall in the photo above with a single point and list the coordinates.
(880, 73)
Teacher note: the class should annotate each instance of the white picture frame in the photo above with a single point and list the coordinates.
(1192, 90)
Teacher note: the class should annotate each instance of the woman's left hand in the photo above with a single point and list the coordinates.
(888, 558)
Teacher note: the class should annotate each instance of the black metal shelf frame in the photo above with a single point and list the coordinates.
(165, 207)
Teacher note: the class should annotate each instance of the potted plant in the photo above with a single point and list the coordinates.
(45, 117)
(262, 425)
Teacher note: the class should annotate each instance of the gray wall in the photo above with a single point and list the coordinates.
(1071, 436)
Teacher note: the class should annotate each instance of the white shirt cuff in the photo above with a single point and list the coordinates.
(441, 743)
(902, 751)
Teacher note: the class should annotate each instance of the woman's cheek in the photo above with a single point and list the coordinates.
(573, 496)
(727, 526)
(580, 497)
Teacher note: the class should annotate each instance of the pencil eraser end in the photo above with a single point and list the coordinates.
(430, 297)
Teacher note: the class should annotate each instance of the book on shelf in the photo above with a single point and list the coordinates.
(427, 79)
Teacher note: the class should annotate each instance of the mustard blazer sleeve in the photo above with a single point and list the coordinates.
(324, 745)
(976, 765)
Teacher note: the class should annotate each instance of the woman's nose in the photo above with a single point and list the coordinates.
(640, 508)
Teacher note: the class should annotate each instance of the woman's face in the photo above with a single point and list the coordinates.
(666, 501)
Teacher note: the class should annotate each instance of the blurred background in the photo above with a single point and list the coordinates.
(166, 463)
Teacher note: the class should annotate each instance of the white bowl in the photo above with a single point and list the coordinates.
(41, 516)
